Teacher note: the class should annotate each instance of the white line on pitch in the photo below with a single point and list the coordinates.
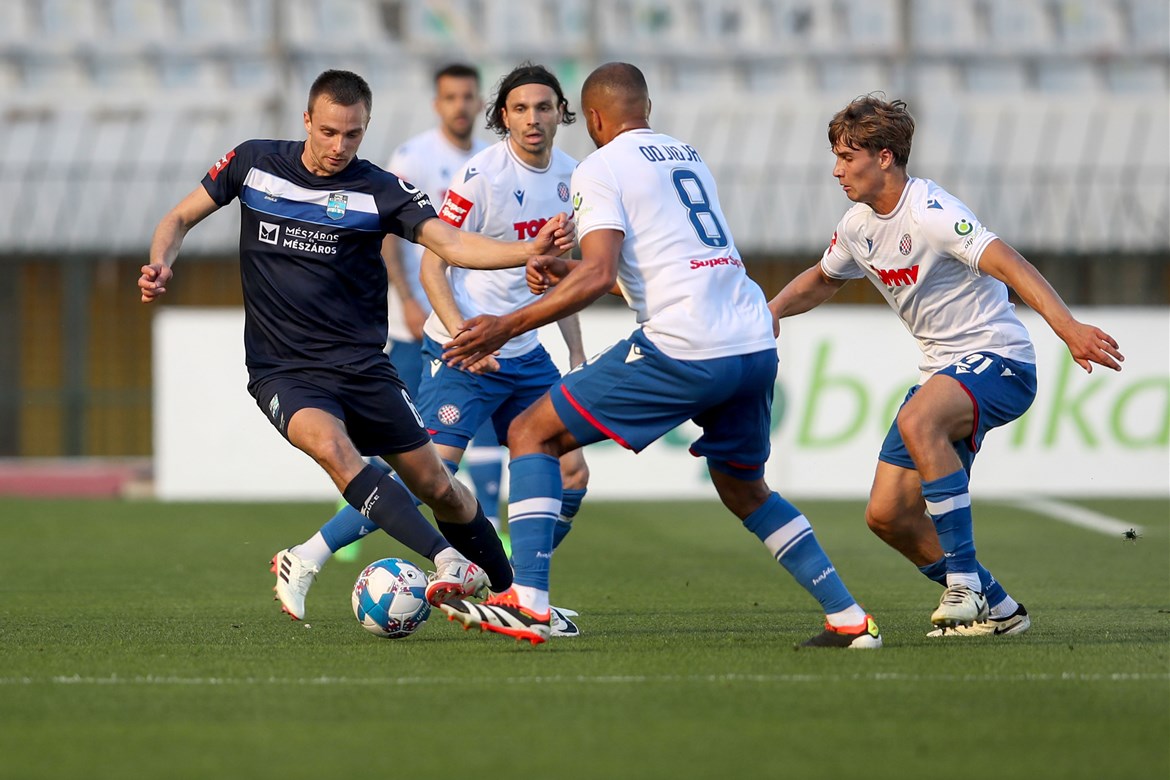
(147, 680)
(1077, 515)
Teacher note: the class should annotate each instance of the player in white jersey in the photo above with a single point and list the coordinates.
(510, 188)
(649, 220)
(947, 277)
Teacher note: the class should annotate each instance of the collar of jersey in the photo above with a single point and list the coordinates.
(512, 152)
(910, 182)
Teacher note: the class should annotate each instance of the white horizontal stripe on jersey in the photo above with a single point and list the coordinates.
(271, 184)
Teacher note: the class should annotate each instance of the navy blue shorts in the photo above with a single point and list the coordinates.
(374, 405)
(455, 403)
(634, 394)
(1000, 389)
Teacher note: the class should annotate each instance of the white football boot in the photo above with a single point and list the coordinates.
(294, 577)
(456, 579)
(959, 606)
(1016, 623)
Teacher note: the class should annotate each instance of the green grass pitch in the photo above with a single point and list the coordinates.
(139, 640)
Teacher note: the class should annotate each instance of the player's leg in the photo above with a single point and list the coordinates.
(942, 426)
(532, 375)
(341, 535)
(787, 535)
(484, 462)
(939, 413)
(575, 481)
(453, 404)
(536, 438)
(323, 437)
(736, 442)
(460, 518)
(896, 513)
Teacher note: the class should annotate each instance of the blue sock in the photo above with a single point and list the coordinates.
(936, 572)
(485, 466)
(571, 499)
(948, 501)
(995, 592)
(389, 504)
(346, 527)
(534, 504)
(788, 536)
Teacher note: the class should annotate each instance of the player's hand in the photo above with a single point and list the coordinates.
(558, 236)
(543, 272)
(414, 317)
(489, 365)
(1089, 344)
(153, 281)
(479, 338)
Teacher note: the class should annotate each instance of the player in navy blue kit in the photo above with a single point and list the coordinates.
(313, 217)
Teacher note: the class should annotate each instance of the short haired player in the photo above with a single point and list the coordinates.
(313, 216)
(947, 276)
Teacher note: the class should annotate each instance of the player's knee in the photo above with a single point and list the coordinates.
(437, 490)
(886, 518)
(575, 477)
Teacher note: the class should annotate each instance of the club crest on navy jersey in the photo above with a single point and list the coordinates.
(335, 207)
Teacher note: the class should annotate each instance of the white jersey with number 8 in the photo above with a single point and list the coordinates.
(679, 269)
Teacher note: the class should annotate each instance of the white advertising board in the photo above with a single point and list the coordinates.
(843, 372)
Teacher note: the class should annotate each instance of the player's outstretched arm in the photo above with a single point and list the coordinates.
(433, 274)
(807, 291)
(1088, 344)
(592, 277)
(473, 250)
(168, 237)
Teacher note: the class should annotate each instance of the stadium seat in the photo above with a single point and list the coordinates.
(871, 26)
(945, 28)
(1019, 26)
(991, 76)
(140, 22)
(1148, 26)
(1090, 26)
(1068, 76)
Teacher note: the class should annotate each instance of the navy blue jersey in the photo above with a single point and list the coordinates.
(311, 255)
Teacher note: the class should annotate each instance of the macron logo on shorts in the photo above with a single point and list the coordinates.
(455, 208)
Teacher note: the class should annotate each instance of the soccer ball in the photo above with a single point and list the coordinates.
(389, 598)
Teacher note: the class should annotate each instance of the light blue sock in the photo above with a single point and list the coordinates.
(948, 501)
(571, 499)
(788, 536)
(346, 527)
(486, 472)
(534, 504)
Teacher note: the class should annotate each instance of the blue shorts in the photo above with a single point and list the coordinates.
(374, 405)
(1000, 389)
(634, 394)
(454, 403)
